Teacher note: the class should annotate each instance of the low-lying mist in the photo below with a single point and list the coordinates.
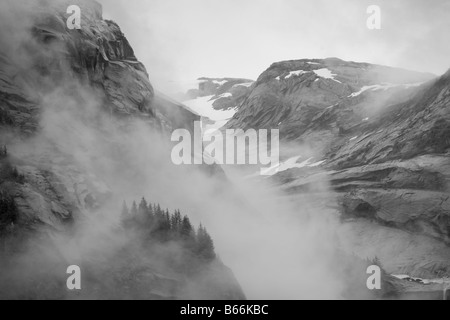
(277, 248)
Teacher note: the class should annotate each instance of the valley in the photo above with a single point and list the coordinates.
(361, 178)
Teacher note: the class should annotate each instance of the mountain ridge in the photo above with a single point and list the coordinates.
(291, 93)
(383, 148)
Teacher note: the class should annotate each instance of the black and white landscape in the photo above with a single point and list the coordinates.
(87, 177)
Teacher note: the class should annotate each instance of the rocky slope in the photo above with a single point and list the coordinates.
(381, 142)
(216, 100)
(72, 103)
(395, 168)
(290, 94)
(98, 54)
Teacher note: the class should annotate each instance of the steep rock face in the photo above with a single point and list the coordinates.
(98, 53)
(394, 171)
(96, 61)
(291, 94)
(398, 166)
(416, 127)
(56, 82)
(381, 143)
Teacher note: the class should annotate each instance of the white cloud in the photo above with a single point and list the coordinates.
(183, 40)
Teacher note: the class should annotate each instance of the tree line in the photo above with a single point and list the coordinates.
(164, 226)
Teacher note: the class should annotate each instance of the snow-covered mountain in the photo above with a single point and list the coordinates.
(216, 100)
(379, 137)
(290, 94)
(218, 94)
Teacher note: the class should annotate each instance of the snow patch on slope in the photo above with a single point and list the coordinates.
(326, 73)
(296, 73)
(423, 281)
(291, 163)
(247, 84)
(203, 106)
(224, 95)
(220, 83)
(384, 86)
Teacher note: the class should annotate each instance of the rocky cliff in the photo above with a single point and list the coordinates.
(98, 54)
(381, 142)
(76, 107)
(290, 94)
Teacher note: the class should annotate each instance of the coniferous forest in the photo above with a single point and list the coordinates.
(149, 241)
(157, 224)
(154, 242)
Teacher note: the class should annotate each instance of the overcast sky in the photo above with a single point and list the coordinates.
(181, 40)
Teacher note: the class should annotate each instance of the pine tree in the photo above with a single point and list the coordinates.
(143, 207)
(165, 224)
(187, 234)
(176, 221)
(150, 210)
(186, 228)
(125, 211)
(162, 226)
(134, 209)
(159, 212)
(142, 216)
(150, 221)
(205, 245)
(167, 220)
(159, 216)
